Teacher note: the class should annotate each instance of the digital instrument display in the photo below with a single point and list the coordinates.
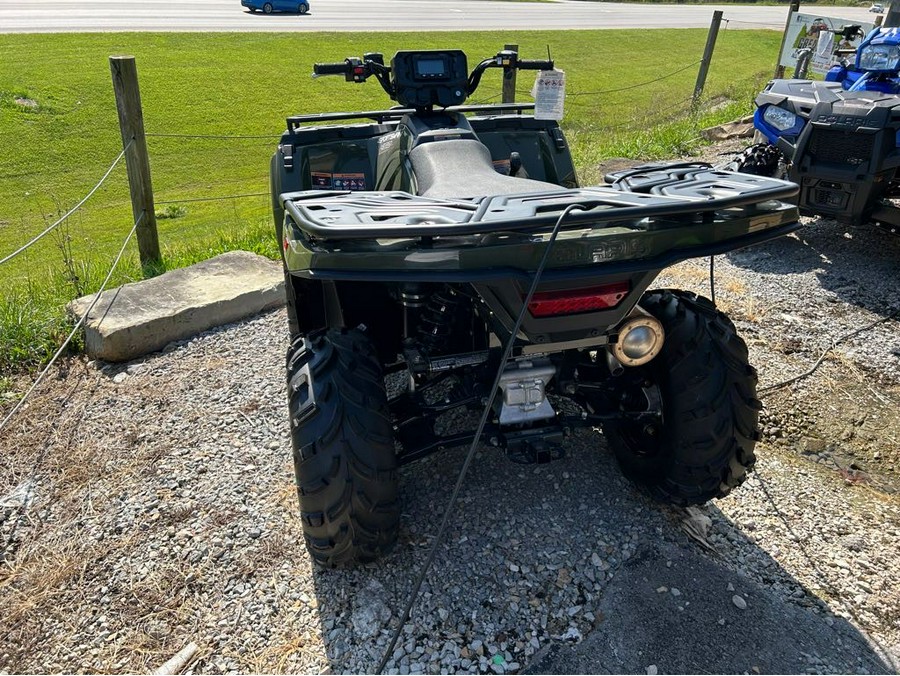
(431, 68)
(429, 78)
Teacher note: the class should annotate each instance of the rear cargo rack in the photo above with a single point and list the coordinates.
(645, 198)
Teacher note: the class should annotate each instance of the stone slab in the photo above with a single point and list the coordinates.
(669, 610)
(143, 317)
(742, 128)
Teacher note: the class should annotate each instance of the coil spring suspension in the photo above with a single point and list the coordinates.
(438, 318)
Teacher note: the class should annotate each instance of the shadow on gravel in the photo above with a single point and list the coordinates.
(859, 264)
(567, 568)
(645, 625)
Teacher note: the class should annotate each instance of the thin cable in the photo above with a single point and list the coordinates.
(755, 23)
(213, 199)
(712, 279)
(621, 89)
(489, 98)
(214, 136)
(847, 336)
(50, 228)
(635, 86)
(478, 432)
(77, 326)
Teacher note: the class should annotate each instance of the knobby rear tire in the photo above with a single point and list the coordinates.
(707, 388)
(343, 445)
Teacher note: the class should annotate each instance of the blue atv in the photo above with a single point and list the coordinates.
(839, 140)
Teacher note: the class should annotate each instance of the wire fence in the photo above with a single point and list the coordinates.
(75, 328)
(121, 251)
(218, 137)
(637, 84)
(767, 24)
(50, 228)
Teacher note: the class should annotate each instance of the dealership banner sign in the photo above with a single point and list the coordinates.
(820, 34)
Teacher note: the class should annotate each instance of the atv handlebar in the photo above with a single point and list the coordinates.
(359, 70)
(507, 60)
(531, 64)
(331, 68)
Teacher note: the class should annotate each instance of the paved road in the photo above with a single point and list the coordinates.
(36, 16)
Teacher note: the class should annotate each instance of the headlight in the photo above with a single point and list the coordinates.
(779, 118)
(880, 57)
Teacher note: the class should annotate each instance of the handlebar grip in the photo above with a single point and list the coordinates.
(530, 64)
(331, 68)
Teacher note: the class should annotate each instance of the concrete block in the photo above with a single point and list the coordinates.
(145, 316)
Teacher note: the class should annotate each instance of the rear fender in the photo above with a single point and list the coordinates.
(317, 304)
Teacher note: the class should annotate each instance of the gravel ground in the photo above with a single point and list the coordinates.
(152, 504)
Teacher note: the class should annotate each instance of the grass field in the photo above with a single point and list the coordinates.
(56, 146)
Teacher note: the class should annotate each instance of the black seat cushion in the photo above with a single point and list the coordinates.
(462, 168)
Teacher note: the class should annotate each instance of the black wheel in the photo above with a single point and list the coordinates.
(303, 8)
(344, 459)
(705, 389)
(267, 8)
(760, 159)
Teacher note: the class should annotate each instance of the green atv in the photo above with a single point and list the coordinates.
(410, 239)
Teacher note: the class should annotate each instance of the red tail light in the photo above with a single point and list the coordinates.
(573, 301)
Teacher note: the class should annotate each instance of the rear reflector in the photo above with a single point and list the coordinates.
(573, 301)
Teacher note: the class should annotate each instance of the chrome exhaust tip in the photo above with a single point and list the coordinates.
(641, 337)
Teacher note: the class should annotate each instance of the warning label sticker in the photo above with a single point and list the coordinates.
(349, 182)
(549, 94)
(327, 181)
(321, 180)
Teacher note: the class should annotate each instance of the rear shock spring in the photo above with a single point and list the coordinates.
(437, 320)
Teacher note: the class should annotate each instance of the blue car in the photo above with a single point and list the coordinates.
(269, 6)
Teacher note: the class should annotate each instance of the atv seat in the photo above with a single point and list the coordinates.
(463, 168)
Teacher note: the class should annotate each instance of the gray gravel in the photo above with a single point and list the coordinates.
(161, 509)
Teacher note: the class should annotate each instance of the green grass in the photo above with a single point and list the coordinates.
(52, 153)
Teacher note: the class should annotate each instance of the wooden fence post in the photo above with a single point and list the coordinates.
(707, 56)
(795, 7)
(131, 124)
(509, 79)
